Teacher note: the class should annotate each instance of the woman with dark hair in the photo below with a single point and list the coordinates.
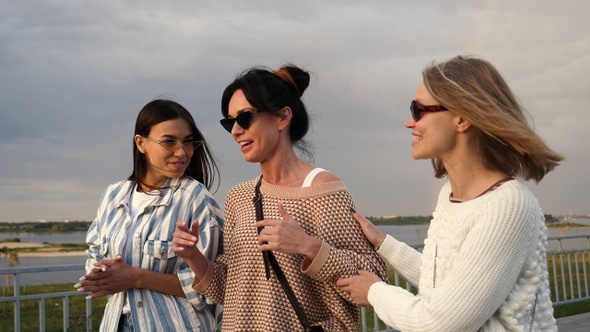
(266, 117)
(484, 263)
(130, 253)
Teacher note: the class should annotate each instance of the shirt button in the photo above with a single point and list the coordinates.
(139, 304)
(163, 253)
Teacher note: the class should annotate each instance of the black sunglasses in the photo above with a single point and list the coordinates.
(243, 119)
(418, 109)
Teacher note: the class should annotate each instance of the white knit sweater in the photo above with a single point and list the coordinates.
(482, 267)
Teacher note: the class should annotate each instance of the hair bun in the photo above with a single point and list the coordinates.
(295, 77)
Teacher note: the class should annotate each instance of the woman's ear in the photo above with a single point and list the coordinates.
(139, 142)
(285, 115)
(462, 124)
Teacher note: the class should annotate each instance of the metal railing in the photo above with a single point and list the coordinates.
(568, 269)
(17, 298)
(572, 266)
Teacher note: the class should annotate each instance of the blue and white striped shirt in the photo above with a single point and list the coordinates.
(151, 248)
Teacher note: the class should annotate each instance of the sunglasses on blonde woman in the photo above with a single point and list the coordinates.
(417, 109)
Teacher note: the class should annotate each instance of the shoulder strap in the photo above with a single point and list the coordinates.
(260, 216)
(288, 291)
(311, 175)
(269, 257)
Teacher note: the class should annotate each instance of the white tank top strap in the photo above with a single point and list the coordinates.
(309, 178)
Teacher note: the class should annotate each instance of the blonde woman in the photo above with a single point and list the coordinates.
(483, 267)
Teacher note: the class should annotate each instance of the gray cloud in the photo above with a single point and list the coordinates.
(75, 74)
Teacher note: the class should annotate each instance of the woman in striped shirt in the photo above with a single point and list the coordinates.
(130, 253)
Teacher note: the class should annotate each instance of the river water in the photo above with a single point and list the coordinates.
(411, 234)
(27, 261)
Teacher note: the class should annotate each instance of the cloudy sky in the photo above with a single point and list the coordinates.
(74, 74)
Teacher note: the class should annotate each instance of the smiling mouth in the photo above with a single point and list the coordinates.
(244, 143)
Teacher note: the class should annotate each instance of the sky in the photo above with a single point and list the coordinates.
(74, 74)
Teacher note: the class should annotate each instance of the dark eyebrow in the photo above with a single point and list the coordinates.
(166, 136)
(243, 110)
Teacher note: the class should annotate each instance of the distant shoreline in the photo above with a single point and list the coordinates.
(52, 254)
(40, 250)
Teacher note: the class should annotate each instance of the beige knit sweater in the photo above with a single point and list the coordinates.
(237, 277)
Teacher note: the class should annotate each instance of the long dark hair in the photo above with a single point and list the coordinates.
(202, 166)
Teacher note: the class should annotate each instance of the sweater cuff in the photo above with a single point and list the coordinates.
(388, 246)
(318, 262)
(202, 285)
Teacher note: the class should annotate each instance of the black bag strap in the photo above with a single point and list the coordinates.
(268, 256)
(260, 216)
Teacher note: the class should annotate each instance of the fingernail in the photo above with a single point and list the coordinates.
(103, 268)
(89, 297)
(81, 289)
(82, 278)
(118, 257)
(78, 285)
(352, 210)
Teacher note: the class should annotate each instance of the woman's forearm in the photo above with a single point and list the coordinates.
(157, 281)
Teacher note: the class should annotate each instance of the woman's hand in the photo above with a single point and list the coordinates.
(358, 286)
(184, 244)
(184, 241)
(286, 236)
(372, 233)
(109, 276)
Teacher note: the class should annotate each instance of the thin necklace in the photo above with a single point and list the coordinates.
(493, 187)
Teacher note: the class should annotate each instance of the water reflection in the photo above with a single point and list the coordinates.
(415, 234)
(46, 277)
(63, 237)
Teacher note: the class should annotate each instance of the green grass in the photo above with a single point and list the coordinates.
(29, 310)
(566, 224)
(571, 309)
(566, 267)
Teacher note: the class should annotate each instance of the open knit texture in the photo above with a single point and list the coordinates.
(237, 277)
(484, 262)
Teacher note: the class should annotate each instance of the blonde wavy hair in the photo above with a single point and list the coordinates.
(474, 89)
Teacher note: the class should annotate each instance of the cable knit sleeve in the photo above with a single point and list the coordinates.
(404, 259)
(480, 247)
